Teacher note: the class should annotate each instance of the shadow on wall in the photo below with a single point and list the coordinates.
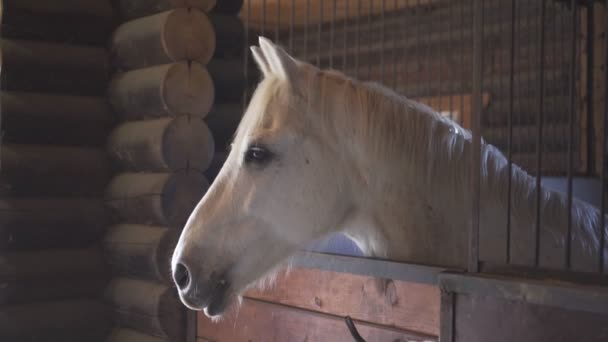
(585, 189)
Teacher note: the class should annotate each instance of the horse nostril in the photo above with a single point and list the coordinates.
(181, 275)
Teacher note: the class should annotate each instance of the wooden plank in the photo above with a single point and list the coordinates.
(348, 294)
(162, 199)
(55, 321)
(164, 144)
(482, 319)
(140, 251)
(161, 91)
(132, 9)
(130, 335)
(171, 36)
(261, 321)
(37, 118)
(39, 170)
(53, 68)
(149, 307)
(50, 222)
(79, 22)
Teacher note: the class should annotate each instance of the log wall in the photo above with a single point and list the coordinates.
(177, 88)
(55, 121)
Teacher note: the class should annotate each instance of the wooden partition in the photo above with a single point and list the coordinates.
(176, 64)
(55, 120)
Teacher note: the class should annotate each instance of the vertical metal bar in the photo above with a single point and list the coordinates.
(331, 34)
(382, 38)
(370, 32)
(590, 75)
(306, 25)
(428, 54)
(277, 27)
(417, 58)
(450, 72)
(476, 128)
(539, 133)
(447, 315)
(345, 47)
(462, 51)
(394, 40)
(291, 24)
(604, 159)
(358, 39)
(191, 325)
(262, 30)
(510, 124)
(439, 34)
(320, 32)
(571, 119)
(246, 54)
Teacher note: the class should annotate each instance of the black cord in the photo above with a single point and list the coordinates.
(353, 330)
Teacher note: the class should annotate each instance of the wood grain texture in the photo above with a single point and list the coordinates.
(37, 118)
(258, 321)
(183, 142)
(160, 199)
(69, 21)
(129, 335)
(39, 170)
(491, 319)
(171, 36)
(140, 251)
(132, 9)
(50, 222)
(161, 91)
(32, 276)
(53, 68)
(55, 321)
(408, 306)
(148, 307)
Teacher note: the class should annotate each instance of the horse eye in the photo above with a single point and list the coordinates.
(257, 154)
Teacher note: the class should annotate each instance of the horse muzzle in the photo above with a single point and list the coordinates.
(210, 295)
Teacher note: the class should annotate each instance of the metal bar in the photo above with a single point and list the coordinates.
(590, 74)
(510, 124)
(277, 34)
(539, 273)
(369, 29)
(562, 295)
(473, 265)
(539, 133)
(438, 54)
(306, 25)
(358, 39)
(246, 54)
(450, 71)
(417, 40)
(291, 24)
(369, 267)
(382, 42)
(320, 32)
(604, 159)
(346, 22)
(428, 55)
(394, 47)
(571, 119)
(446, 317)
(331, 34)
(462, 49)
(262, 30)
(191, 325)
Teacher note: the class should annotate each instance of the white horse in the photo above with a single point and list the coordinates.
(317, 153)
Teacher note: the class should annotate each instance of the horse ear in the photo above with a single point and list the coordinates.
(260, 60)
(279, 61)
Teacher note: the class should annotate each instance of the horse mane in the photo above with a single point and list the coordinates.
(424, 147)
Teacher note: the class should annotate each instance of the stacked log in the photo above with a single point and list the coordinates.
(176, 90)
(55, 120)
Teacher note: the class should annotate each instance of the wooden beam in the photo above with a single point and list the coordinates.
(50, 222)
(53, 68)
(263, 321)
(148, 307)
(67, 321)
(130, 335)
(332, 293)
(140, 251)
(133, 9)
(38, 170)
(171, 36)
(161, 199)
(163, 90)
(37, 118)
(75, 22)
(162, 144)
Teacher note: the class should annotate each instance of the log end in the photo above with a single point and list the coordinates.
(188, 89)
(189, 35)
